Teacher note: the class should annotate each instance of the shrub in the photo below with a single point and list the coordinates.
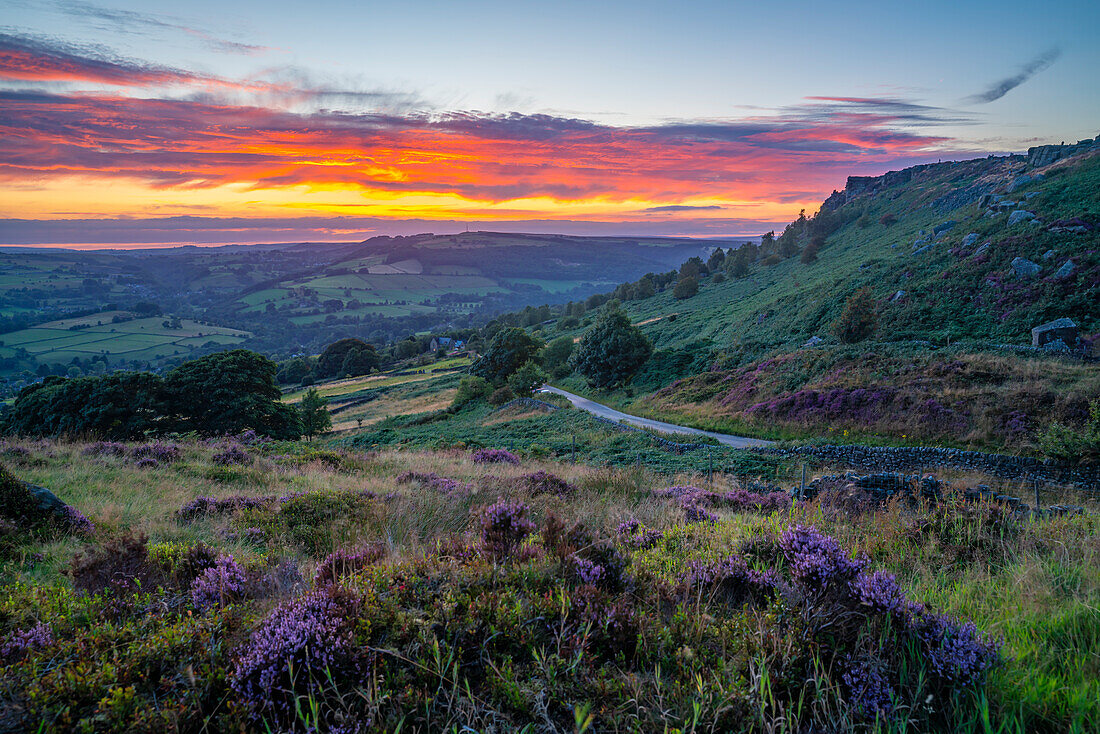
(887, 219)
(21, 642)
(120, 565)
(222, 583)
(501, 396)
(342, 562)
(612, 350)
(1062, 443)
(857, 321)
(543, 482)
(495, 456)
(504, 526)
(296, 650)
(686, 287)
(232, 455)
(471, 389)
(527, 379)
(159, 452)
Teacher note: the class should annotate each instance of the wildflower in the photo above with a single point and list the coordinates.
(817, 561)
(880, 592)
(221, 583)
(24, 641)
(504, 526)
(495, 456)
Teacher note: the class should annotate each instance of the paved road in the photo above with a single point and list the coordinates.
(737, 442)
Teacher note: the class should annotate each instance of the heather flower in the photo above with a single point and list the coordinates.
(221, 583)
(637, 536)
(869, 690)
(543, 482)
(163, 453)
(587, 571)
(232, 455)
(817, 561)
(300, 645)
(695, 513)
(74, 520)
(742, 500)
(880, 592)
(733, 580)
(504, 526)
(205, 505)
(495, 456)
(147, 462)
(958, 653)
(28, 640)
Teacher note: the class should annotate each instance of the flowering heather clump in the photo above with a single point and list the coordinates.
(817, 561)
(232, 455)
(296, 649)
(201, 506)
(221, 583)
(75, 522)
(958, 652)
(869, 690)
(637, 536)
(695, 513)
(249, 437)
(431, 480)
(24, 641)
(732, 580)
(588, 572)
(495, 456)
(106, 448)
(880, 592)
(543, 482)
(342, 562)
(742, 500)
(162, 453)
(504, 526)
(248, 535)
(147, 462)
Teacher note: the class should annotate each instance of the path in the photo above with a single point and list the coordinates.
(737, 442)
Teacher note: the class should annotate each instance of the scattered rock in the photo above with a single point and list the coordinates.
(923, 249)
(944, 227)
(981, 250)
(1025, 268)
(1056, 345)
(897, 296)
(813, 341)
(1020, 215)
(1066, 271)
(1049, 254)
(1023, 181)
(970, 239)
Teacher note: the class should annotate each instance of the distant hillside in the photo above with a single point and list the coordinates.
(282, 299)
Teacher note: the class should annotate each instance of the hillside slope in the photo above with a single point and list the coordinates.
(960, 259)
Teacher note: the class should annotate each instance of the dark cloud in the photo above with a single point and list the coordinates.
(673, 208)
(1004, 86)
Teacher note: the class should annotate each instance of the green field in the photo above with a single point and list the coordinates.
(138, 339)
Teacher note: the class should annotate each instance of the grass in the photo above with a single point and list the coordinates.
(458, 643)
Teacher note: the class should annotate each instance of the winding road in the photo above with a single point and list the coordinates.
(603, 411)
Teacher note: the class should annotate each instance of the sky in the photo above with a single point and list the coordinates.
(126, 123)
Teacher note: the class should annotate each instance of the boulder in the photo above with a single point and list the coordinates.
(897, 296)
(1025, 268)
(1062, 329)
(970, 239)
(982, 250)
(1066, 271)
(1020, 215)
(813, 341)
(1049, 254)
(922, 250)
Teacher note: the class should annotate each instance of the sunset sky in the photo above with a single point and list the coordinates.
(239, 121)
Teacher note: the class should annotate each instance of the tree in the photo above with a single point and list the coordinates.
(118, 406)
(470, 389)
(555, 357)
(686, 287)
(229, 392)
(809, 254)
(716, 259)
(313, 413)
(526, 379)
(510, 348)
(612, 350)
(737, 265)
(693, 267)
(857, 320)
(331, 361)
(360, 362)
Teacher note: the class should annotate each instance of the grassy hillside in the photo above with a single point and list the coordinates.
(419, 614)
(936, 257)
